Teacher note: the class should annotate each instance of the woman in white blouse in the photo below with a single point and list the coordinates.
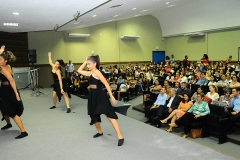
(213, 93)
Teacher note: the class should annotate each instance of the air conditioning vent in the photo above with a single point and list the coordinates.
(194, 34)
(77, 35)
(129, 37)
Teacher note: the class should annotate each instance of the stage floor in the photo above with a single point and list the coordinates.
(54, 134)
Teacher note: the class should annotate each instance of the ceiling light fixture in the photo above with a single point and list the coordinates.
(115, 16)
(110, 20)
(81, 26)
(11, 24)
(76, 22)
(171, 5)
(15, 13)
(167, 2)
(94, 15)
(136, 16)
(144, 10)
(134, 8)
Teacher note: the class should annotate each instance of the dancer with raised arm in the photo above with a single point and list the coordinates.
(60, 87)
(98, 101)
(11, 104)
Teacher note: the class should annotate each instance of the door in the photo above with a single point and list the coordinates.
(158, 56)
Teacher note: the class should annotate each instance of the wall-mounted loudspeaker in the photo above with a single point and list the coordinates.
(32, 57)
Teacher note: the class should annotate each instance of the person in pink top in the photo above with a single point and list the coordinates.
(183, 107)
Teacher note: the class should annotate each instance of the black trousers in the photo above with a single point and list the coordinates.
(150, 113)
(162, 111)
(186, 121)
(234, 118)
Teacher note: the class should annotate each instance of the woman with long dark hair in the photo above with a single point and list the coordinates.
(60, 87)
(98, 101)
(11, 104)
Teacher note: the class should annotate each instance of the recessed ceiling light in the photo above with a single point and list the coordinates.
(94, 15)
(10, 24)
(136, 16)
(110, 20)
(134, 8)
(76, 22)
(15, 13)
(171, 5)
(167, 2)
(144, 10)
(115, 16)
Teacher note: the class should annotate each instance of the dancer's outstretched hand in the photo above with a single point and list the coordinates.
(114, 101)
(49, 53)
(2, 49)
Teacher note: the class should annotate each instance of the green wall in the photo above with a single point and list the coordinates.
(104, 40)
(218, 45)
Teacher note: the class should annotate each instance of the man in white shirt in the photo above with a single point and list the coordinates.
(69, 68)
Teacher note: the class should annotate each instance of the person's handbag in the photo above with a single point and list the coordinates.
(196, 133)
(207, 99)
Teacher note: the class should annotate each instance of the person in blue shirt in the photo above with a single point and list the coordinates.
(203, 80)
(235, 105)
(161, 100)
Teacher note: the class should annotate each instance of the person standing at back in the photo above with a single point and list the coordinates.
(185, 62)
(69, 68)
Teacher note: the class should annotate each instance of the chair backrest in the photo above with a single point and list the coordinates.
(217, 110)
(220, 90)
(205, 89)
(194, 87)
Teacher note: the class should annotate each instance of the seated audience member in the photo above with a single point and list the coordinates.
(235, 104)
(226, 99)
(161, 100)
(167, 87)
(194, 96)
(183, 90)
(176, 78)
(113, 87)
(169, 77)
(132, 85)
(212, 81)
(217, 76)
(234, 83)
(76, 84)
(154, 91)
(123, 89)
(183, 78)
(164, 110)
(183, 107)
(149, 75)
(120, 80)
(228, 77)
(202, 80)
(222, 83)
(192, 79)
(83, 85)
(213, 93)
(194, 114)
(177, 87)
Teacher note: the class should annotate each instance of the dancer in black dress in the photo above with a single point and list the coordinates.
(60, 87)
(98, 101)
(11, 104)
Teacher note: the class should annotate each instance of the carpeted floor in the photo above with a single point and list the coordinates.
(54, 134)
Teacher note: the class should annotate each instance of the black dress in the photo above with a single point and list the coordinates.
(98, 102)
(56, 86)
(9, 105)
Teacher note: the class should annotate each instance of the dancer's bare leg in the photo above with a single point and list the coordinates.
(66, 100)
(98, 127)
(19, 123)
(54, 98)
(116, 127)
